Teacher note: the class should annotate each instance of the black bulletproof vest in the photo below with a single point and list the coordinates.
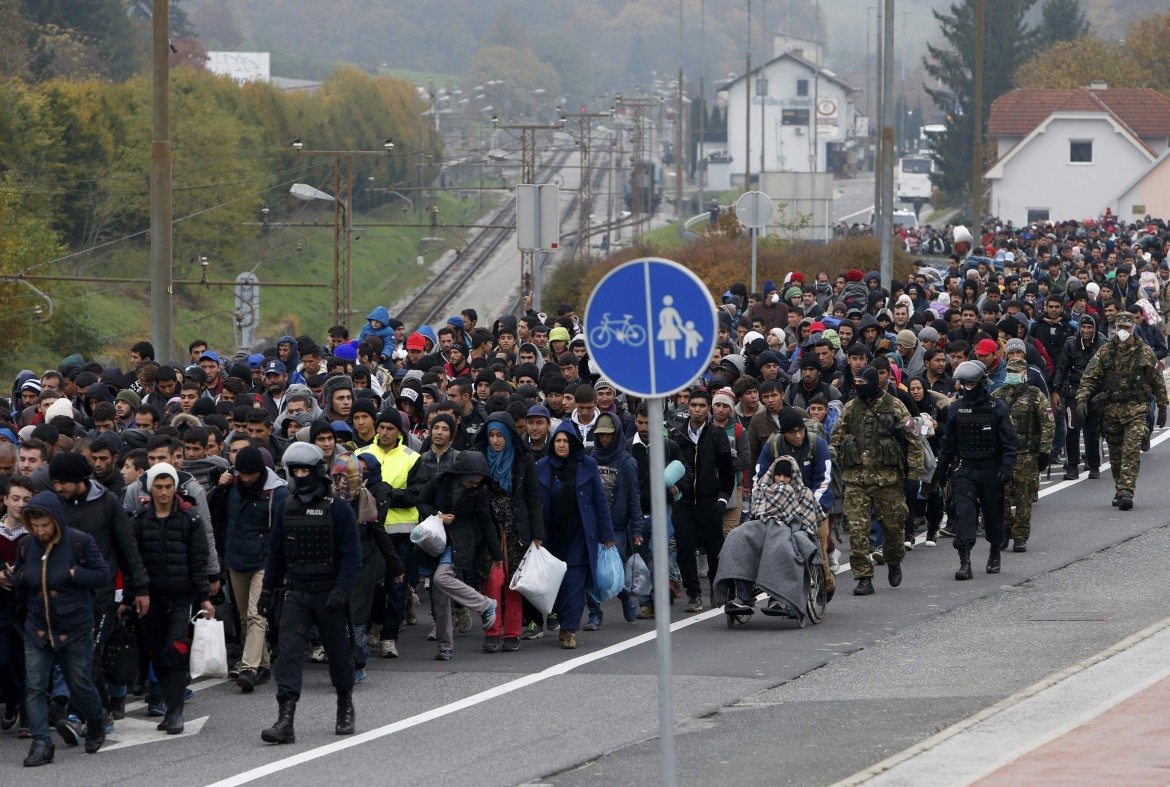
(308, 540)
(978, 432)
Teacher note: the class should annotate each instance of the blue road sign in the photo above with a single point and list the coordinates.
(651, 327)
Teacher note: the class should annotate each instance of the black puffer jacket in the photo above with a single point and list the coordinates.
(174, 551)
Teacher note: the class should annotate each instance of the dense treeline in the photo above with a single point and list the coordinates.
(75, 162)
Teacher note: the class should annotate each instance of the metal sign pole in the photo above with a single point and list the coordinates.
(661, 590)
(755, 239)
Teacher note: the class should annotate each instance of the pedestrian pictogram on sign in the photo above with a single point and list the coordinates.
(651, 327)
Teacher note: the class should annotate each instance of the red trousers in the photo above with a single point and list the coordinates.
(509, 605)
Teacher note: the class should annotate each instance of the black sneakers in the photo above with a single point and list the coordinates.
(864, 587)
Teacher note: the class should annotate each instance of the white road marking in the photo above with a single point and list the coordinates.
(135, 732)
(511, 686)
(857, 213)
(458, 705)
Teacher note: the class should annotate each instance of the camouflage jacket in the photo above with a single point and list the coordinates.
(1123, 374)
(1031, 416)
(877, 443)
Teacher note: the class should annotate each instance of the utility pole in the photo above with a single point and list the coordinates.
(747, 94)
(701, 169)
(879, 113)
(762, 85)
(161, 286)
(887, 216)
(585, 185)
(528, 270)
(342, 221)
(977, 119)
(678, 131)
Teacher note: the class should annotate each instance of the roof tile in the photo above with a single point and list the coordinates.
(1145, 111)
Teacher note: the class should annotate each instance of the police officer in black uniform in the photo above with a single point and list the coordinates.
(316, 552)
(979, 436)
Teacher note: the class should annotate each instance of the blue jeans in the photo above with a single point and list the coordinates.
(647, 552)
(76, 662)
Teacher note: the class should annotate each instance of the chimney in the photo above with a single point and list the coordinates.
(1098, 85)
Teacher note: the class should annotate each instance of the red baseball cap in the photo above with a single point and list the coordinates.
(987, 347)
(416, 341)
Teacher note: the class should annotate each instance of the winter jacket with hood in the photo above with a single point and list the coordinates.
(385, 333)
(525, 487)
(619, 477)
(71, 569)
(338, 382)
(294, 360)
(1073, 359)
(250, 518)
(592, 506)
(100, 514)
(472, 525)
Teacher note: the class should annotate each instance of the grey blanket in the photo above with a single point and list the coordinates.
(773, 556)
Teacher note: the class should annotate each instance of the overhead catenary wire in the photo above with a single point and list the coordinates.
(106, 244)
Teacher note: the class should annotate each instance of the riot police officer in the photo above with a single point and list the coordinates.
(316, 552)
(980, 437)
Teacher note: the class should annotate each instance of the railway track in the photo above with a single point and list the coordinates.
(429, 303)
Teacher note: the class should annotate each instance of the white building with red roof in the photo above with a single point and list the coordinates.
(1070, 154)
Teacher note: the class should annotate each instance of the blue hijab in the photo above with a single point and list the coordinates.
(501, 461)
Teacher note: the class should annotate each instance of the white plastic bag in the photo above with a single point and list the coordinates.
(638, 579)
(208, 649)
(538, 578)
(430, 535)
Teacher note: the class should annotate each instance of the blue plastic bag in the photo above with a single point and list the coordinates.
(609, 575)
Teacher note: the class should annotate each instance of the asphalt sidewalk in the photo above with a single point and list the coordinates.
(1112, 705)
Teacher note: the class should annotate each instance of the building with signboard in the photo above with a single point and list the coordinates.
(803, 117)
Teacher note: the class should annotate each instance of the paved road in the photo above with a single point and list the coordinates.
(807, 706)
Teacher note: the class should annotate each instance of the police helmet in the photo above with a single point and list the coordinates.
(969, 372)
(304, 455)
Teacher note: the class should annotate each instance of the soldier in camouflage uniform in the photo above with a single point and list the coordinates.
(1121, 378)
(1035, 426)
(878, 448)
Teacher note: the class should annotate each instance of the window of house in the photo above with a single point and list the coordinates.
(1080, 151)
(1037, 214)
(802, 87)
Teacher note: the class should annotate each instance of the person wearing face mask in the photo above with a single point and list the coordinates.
(772, 310)
(981, 440)
(1035, 426)
(315, 555)
(1121, 377)
(879, 449)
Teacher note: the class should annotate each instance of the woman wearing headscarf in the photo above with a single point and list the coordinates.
(577, 513)
(514, 500)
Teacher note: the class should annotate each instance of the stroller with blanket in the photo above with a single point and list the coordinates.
(777, 551)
